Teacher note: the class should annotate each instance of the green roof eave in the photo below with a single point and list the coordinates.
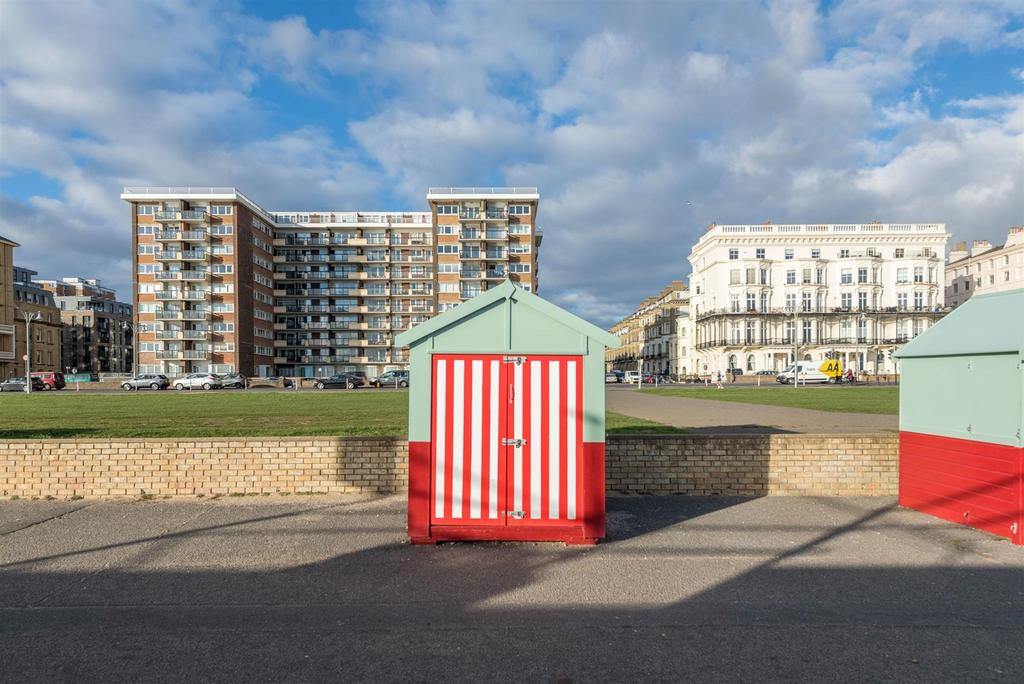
(506, 291)
(984, 324)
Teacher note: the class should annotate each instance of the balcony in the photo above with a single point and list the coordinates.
(182, 255)
(495, 274)
(470, 214)
(183, 315)
(188, 216)
(183, 295)
(471, 274)
(183, 354)
(182, 334)
(496, 214)
(170, 235)
(182, 275)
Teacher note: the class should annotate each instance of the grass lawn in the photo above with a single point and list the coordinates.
(841, 399)
(221, 414)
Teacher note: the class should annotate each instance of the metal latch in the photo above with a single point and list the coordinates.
(518, 515)
(518, 360)
(513, 442)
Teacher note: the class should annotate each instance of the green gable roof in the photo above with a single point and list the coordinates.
(984, 324)
(506, 291)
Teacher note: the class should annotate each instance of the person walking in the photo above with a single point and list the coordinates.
(718, 382)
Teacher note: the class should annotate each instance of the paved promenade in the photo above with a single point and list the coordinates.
(729, 417)
(324, 588)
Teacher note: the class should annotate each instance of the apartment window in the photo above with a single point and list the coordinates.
(764, 301)
(791, 301)
(805, 301)
(918, 301)
(967, 285)
(846, 276)
(862, 300)
(819, 276)
(815, 253)
(223, 268)
(902, 275)
(751, 301)
(734, 276)
(222, 229)
(899, 252)
(518, 248)
(448, 287)
(734, 303)
(147, 249)
(221, 209)
(734, 254)
(806, 331)
(519, 209)
(862, 275)
(751, 276)
(749, 337)
(223, 327)
(790, 331)
(806, 276)
(789, 254)
(759, 253)
(447, 229)
(764, 276)
(447, 249)
(918, 274)
(791, 277)
(901, 301)
(222, 248)
(519, 229)
(846, 300)
(146, 229)
(519, 268)
(956, 286)
(145, 209)
(447, 209)
(844, 253)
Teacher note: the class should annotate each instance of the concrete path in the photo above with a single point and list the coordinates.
(325, 588)
(729, 417)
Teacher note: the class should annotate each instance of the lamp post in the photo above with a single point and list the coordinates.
(127, 326)
(29, 317)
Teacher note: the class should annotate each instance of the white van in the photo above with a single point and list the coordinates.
(808, 373)
(632, 377)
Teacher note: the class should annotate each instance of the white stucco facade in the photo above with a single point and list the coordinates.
(761, 294)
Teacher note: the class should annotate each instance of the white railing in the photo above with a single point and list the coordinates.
(483, 191)
(938, 228)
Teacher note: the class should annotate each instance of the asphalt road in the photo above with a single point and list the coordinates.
(319, 588)
(730, 417)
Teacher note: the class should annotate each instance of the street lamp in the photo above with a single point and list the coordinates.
(126, 326)
(29, 317)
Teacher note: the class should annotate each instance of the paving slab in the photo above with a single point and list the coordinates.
(318, 588)
(730, 417)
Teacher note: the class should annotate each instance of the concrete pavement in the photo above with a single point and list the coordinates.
(729, 417)
(316, 588)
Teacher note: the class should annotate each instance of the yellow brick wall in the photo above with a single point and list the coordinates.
(705, 465)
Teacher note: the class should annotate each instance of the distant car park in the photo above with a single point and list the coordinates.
(146, 381)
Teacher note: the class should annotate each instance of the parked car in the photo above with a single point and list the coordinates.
(205, 381)
(346, 380)
(18, 385)
(391, 378)
(274, 381)
(611, 377)
(808, 373)
(51, 380)
(147, 381)
(631, 377)
(234, 380)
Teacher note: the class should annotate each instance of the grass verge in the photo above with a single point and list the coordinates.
(841, 399)
(255, 413)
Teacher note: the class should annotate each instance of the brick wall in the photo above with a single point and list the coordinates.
(754, 465)
(749, 465)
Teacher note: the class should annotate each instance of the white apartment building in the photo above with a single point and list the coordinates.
(762, 295)
(985, 268)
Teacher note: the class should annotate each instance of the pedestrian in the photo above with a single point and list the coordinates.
(849, 375)
(718, 382)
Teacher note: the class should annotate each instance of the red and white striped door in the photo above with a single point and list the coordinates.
(506, 440)
(545, 479)
(468, 457)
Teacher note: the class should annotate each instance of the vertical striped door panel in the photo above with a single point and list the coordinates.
(479, 400)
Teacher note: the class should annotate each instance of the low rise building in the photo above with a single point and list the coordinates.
(45, 327)
(97, 328)
(985, 268)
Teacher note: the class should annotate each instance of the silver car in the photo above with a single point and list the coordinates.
(205, 381)
(153, 382)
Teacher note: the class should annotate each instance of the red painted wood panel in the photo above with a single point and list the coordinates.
(964, 481)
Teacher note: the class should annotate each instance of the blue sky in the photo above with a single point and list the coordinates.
(639, 122)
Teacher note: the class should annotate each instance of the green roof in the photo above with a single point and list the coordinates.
(503, 292)
(984, 324)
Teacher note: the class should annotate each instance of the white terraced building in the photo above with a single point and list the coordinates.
(762, 295)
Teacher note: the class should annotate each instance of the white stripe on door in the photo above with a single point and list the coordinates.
(535, 444)
(554, 462)
(440, 433)
(458, 424)
(476, 463)
(570, 441)
(492, 438)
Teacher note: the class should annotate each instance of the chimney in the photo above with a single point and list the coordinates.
(980, 247)
(958, 251)
(1016, 236)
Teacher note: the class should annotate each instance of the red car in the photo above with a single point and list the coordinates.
(51, 381)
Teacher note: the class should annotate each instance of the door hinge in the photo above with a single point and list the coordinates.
(518, 515)
(518, 360)
(513, 442)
